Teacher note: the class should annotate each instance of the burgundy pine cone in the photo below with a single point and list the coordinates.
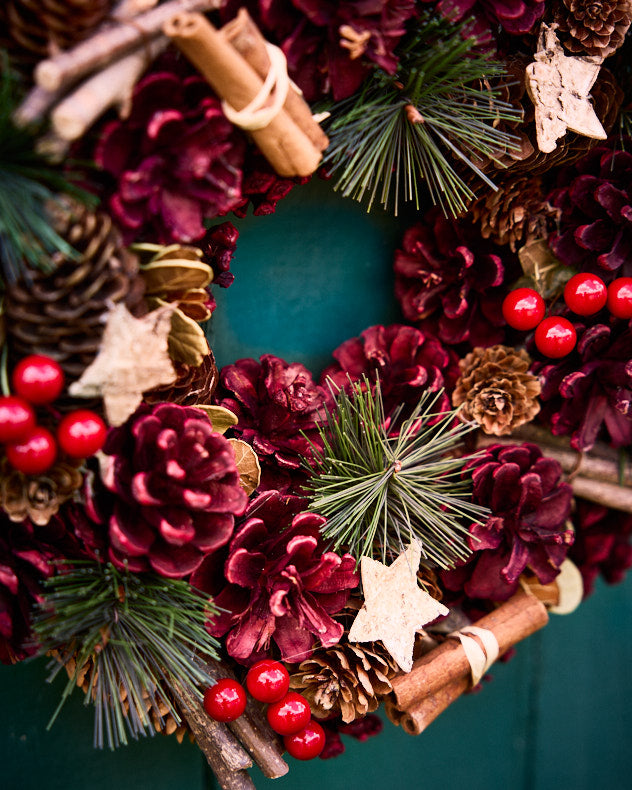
(276, 583)
(526, 529)
(174, 490)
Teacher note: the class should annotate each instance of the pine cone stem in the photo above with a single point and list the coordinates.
(111, 43)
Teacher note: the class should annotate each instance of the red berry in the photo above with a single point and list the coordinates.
(307, 743)
(268, 680)
(555, 337)
(17, 419)
(38, 379)
(225, 701)
(81, 433)
(290, 714)
(585, 294)
(35, 454)
(523, 308)
(620, 297)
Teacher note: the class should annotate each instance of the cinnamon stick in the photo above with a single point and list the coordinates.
(246, 38)
(437, 678)
(110, 43)
(420, 715)
(285, 146)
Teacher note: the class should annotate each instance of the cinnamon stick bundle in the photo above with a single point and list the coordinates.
(286, 146)
(441, 676)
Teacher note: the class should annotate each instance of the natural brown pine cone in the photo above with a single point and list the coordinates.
(516, 212)
(346, 680)
(496, 390)
(35, 29)
(62, 314)
(593, 27)
(193, 387)
(37, 497)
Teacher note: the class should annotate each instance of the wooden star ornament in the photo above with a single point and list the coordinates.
(559, 87)
(133, 359)
(395, 607)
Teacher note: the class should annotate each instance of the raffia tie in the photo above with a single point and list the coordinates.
(277, 83)
(480, 655)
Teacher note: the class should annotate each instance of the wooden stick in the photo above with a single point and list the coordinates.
(606, 494)
(440, 676)
(285, 146)
(246, 38)
(110, 87)
(111, 43)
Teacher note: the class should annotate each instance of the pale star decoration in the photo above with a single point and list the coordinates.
(133, 359)
(395, 607)
(559, 88)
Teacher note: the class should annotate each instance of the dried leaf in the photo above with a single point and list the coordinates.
(149, 253)
(559, 88)
(543, 271)
(175, 275)
(570, 586)
(248, 465)
(187, 341)
(395, 607)
(221, 419)
(133, 358)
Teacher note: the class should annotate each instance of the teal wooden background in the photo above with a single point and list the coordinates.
(557, 716)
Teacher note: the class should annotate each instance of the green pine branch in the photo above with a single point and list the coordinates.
(140, 634)
(28, 182)
(402, 132)
(379, 491)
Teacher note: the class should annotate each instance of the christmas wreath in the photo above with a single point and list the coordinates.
(252, 556)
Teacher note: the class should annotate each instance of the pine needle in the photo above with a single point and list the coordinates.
(378, 152)
(28, 183)
(379, 490)
(140, 633)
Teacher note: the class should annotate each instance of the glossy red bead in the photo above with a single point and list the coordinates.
(523, 309)
(290, 714)
(38, 379)
(307, 743)
(81, 433)
(226, 700)
(268, 680)
(17, 419)
(585, 294)
(555, 337)
(620, 297)
(35, 454)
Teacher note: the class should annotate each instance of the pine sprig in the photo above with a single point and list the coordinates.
(400, 132)
(28, 182)
(139, 634)
(379, 491)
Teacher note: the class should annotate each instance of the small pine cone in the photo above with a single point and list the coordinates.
(36, 29)
(593, 27)
(346, 680)
(37, 497)
(193, 387)
(496, 390)
(516, 212)
(62, 314)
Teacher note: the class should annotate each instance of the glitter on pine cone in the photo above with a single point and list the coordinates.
(331, 46)
(594, 199)
(603, 543)
(496, 390)
(527, 528)
(174, 490)
(276, 583)
(407, 361)
(174, 161)
(588, 394)
(593, 27)
(445, 272)
(278, 406)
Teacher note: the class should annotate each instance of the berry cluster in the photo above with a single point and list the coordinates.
(288, 712)
(585, 294)
(30, 448)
